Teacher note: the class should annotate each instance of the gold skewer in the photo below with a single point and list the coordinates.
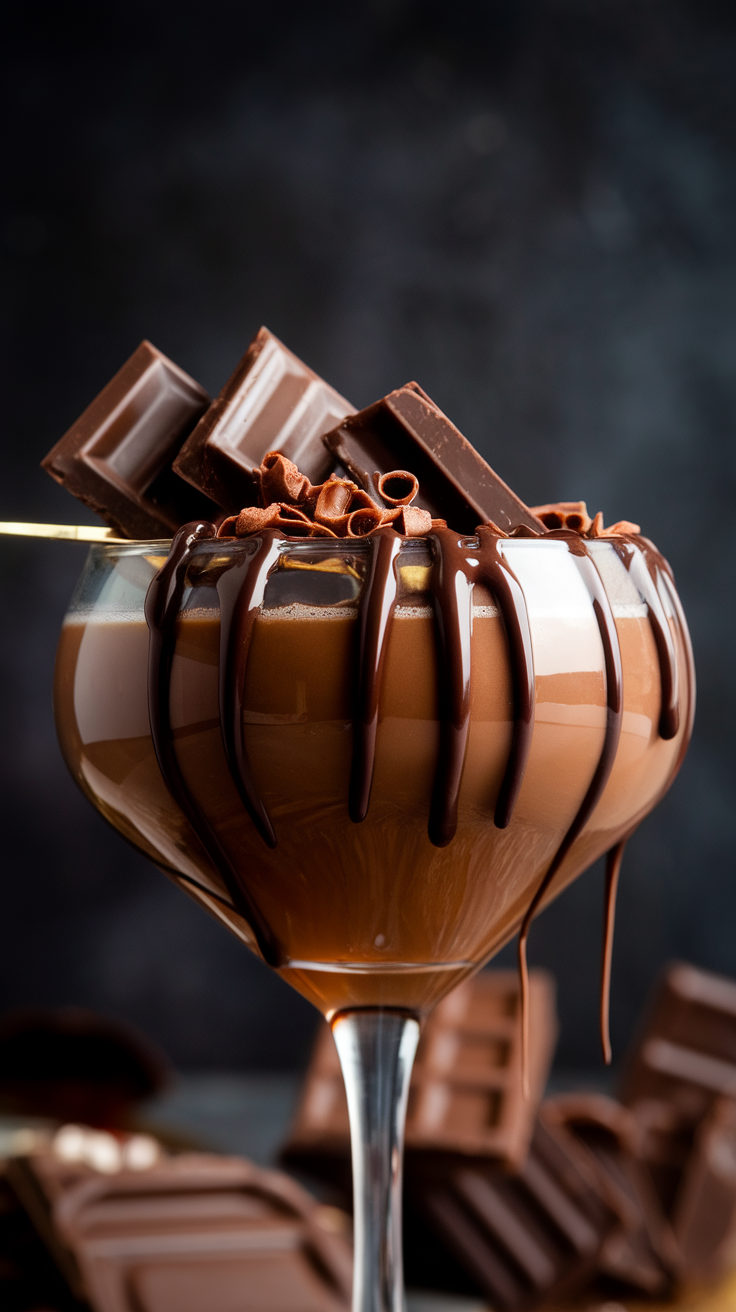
(72, 532)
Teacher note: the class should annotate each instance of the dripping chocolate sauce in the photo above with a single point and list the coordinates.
(459, 563)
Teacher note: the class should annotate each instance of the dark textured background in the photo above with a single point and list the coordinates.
(530, 208)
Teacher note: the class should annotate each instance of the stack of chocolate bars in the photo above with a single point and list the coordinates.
(152, 452)
(528, 1201)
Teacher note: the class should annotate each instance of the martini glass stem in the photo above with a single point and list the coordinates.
(376, 1051)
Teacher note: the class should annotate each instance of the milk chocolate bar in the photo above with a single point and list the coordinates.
(641, 1251)
(193, 1232)
(466, 1092)
(527, 1237)
(117, 457)
(407, 430)
(272, 402)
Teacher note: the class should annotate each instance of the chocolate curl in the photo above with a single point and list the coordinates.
(363, 521)
(281, 481)
(621, 527)
(440, 523)
(398, 487)
(564, 514)
(302, 528)
(334, 501)
(412, 522)
(488, 524)
(250, 520)
(596, 529)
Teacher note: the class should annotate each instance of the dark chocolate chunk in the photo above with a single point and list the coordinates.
(407, 430)
(117, 457)
(273, 402)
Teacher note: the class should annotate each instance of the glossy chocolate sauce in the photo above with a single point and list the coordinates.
(459, 564)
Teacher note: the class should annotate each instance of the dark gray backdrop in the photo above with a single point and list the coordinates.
(530, 208)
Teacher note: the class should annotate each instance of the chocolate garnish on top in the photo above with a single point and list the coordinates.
(455, 483)
(273, 400)
(117, 456)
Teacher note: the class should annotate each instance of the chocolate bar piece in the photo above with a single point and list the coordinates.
(466, 1093)
(273, 402)
(527, 1237)
(117, 457)
(641, 1251)
(192, 1232)
(406, 430)
(704, 1217)
(683, 1060)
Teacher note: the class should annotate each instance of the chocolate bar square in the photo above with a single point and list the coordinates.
(406, 430)
(272, 402)
(117, 457)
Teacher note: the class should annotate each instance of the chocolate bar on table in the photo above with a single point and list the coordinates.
(683, 1060)
(117, 457)
(191, 1233)
(272, 402)
(641, 1251)
(466, 1093)
(406, 430)
(526, 1237)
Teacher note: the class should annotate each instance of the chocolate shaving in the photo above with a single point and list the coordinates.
(564, 514)
(364, 521)
(280, 480)
(398, 487)
(413, 522)
(573, 516)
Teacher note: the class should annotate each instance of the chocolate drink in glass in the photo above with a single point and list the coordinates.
(374, 757)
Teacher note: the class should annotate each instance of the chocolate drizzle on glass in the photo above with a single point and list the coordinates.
(376, 613)
(646, 565)
(163, 602)
(241, 590)
(614, 716)
(613, 870)
(459, 563)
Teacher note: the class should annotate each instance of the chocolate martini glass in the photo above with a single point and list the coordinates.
(374, 760)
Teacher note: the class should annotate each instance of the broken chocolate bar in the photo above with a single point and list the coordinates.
(526, 1237)
(466, 1092)
(117, 457)
(641, 1251)
(684, 1058)
(704, 1219)
(192, 1232)
(407, 430)
(273, 402)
